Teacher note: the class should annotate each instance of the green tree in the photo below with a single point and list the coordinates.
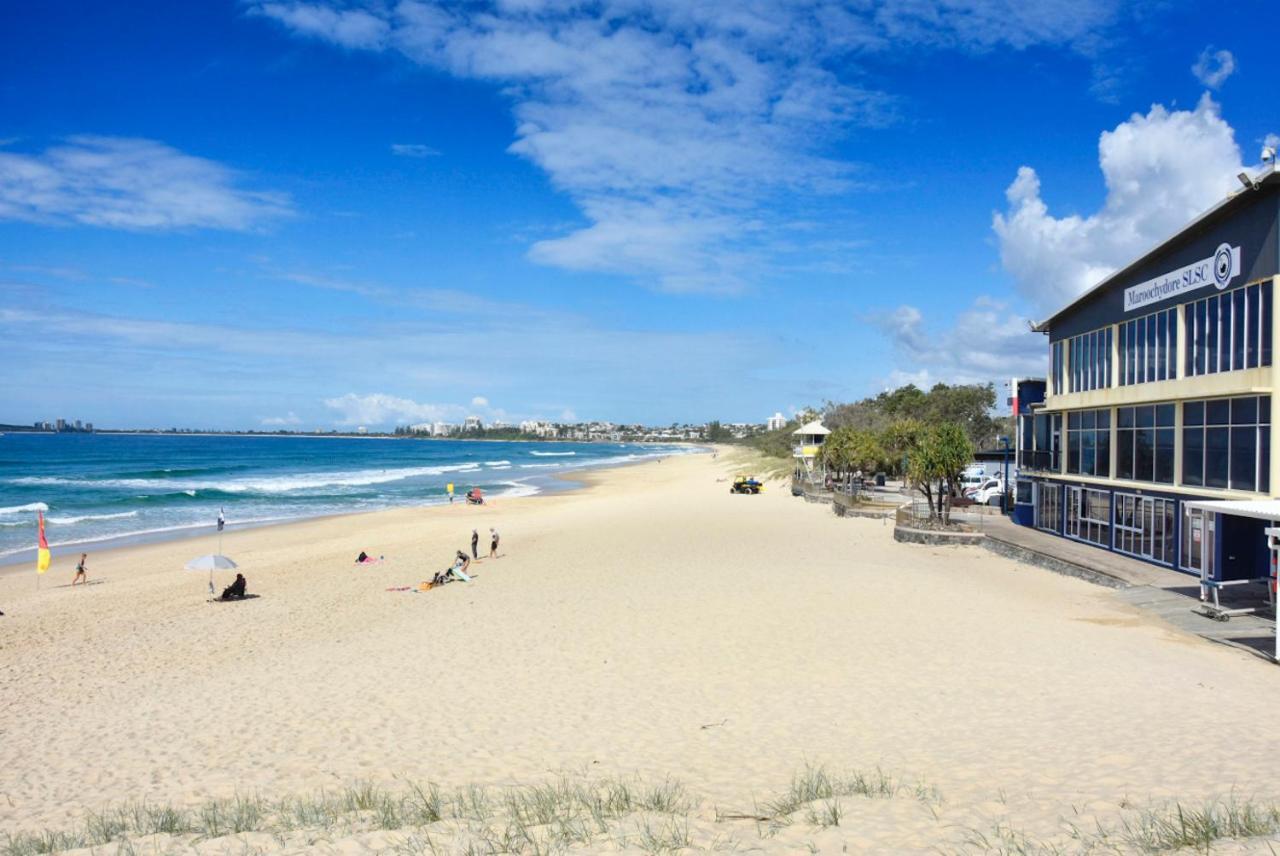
(717, 433)
(940, 454)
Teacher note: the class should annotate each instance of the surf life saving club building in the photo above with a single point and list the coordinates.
(1156, 435)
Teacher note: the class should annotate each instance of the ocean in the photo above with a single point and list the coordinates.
(109, 488)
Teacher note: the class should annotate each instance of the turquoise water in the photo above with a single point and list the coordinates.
(105, 487)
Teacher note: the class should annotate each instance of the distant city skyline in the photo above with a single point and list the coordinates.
(262, 214)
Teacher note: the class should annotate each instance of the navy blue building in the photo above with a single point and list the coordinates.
(1156, 426)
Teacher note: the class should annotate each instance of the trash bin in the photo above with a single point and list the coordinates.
(879, 479)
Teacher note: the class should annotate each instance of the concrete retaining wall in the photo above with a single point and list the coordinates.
(1052, 563)
(935, 537)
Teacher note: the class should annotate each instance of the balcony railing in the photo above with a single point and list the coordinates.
(1038, 459)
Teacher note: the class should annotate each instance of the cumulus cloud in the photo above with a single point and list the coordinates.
(986, 342)
(127, 183)
(378, 408)
(413, 150)
(480, 401)
(1212, 68)
(351, 28)
(1161, 170)
(684, 131)
(290, 418)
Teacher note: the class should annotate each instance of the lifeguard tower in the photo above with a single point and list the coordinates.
(809, 440)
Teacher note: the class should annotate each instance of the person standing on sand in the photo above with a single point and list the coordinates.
(493, 543)
(81, 575)
(475, 544)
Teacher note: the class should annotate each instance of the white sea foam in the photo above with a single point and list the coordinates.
(67, 521)
(497, 463)
(517, 489)
(276, 484)
(19, 509)
(553, 454)
(537, 466)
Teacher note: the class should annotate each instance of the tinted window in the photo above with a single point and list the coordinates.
(1193, 456)
(1244, 452)
(1216, 456)
(1244, 411)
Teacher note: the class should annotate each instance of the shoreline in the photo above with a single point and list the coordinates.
(568, 481)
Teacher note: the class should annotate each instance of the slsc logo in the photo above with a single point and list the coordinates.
(1223, 268)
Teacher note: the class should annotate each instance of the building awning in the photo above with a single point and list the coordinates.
(816, 429)
(1258, 509)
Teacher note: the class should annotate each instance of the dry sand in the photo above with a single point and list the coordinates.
(618, 622)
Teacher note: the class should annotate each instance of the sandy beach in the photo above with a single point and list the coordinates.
(648, 626)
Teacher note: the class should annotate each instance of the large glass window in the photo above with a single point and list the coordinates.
(1229, 331)
(1226, 443)
(1089, 442)
(1148, 346)
(1042, 452)
(1049, 506)
(1091, 360)
(1089, 515)
(1144, 526)
(1058, 368)
(1144, 443)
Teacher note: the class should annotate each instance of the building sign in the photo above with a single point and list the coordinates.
(1218, 270)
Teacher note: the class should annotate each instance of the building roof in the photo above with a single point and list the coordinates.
(1258, 509)
(816, 427)
(1267, 178)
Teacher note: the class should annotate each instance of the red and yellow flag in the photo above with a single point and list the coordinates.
(42, 549)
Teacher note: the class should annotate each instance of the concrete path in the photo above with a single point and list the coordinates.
(1174, 596)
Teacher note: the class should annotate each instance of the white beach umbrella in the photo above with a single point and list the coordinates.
(211, 563)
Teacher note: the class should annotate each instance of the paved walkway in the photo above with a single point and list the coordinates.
(1174, 596)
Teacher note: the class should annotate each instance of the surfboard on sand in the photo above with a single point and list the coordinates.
(457, 572)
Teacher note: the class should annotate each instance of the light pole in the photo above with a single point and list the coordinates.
(1004, 492)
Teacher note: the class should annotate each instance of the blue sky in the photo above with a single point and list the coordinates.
(302, 214)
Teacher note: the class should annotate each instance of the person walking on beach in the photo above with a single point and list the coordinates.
(493, 543)
(475, 544)
(81, 575)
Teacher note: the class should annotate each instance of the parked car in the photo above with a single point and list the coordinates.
(987, 493)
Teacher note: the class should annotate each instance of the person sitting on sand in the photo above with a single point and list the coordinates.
(81, 571)
(460, 564)
(235, 591)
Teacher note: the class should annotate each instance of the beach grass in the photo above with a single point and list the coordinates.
(578, 812)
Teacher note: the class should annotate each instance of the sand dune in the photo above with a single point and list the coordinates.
(619, 621)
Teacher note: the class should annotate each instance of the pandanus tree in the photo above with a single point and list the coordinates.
(939, 455)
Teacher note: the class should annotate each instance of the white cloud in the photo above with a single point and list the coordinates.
(290, 418)
(351, 28)
(1161, 170)
(413, 150)
(685, 132)
(480, 401)
(1212, 68)
(568, 415)
(986, 342)
(126, 183)
(378, 408)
